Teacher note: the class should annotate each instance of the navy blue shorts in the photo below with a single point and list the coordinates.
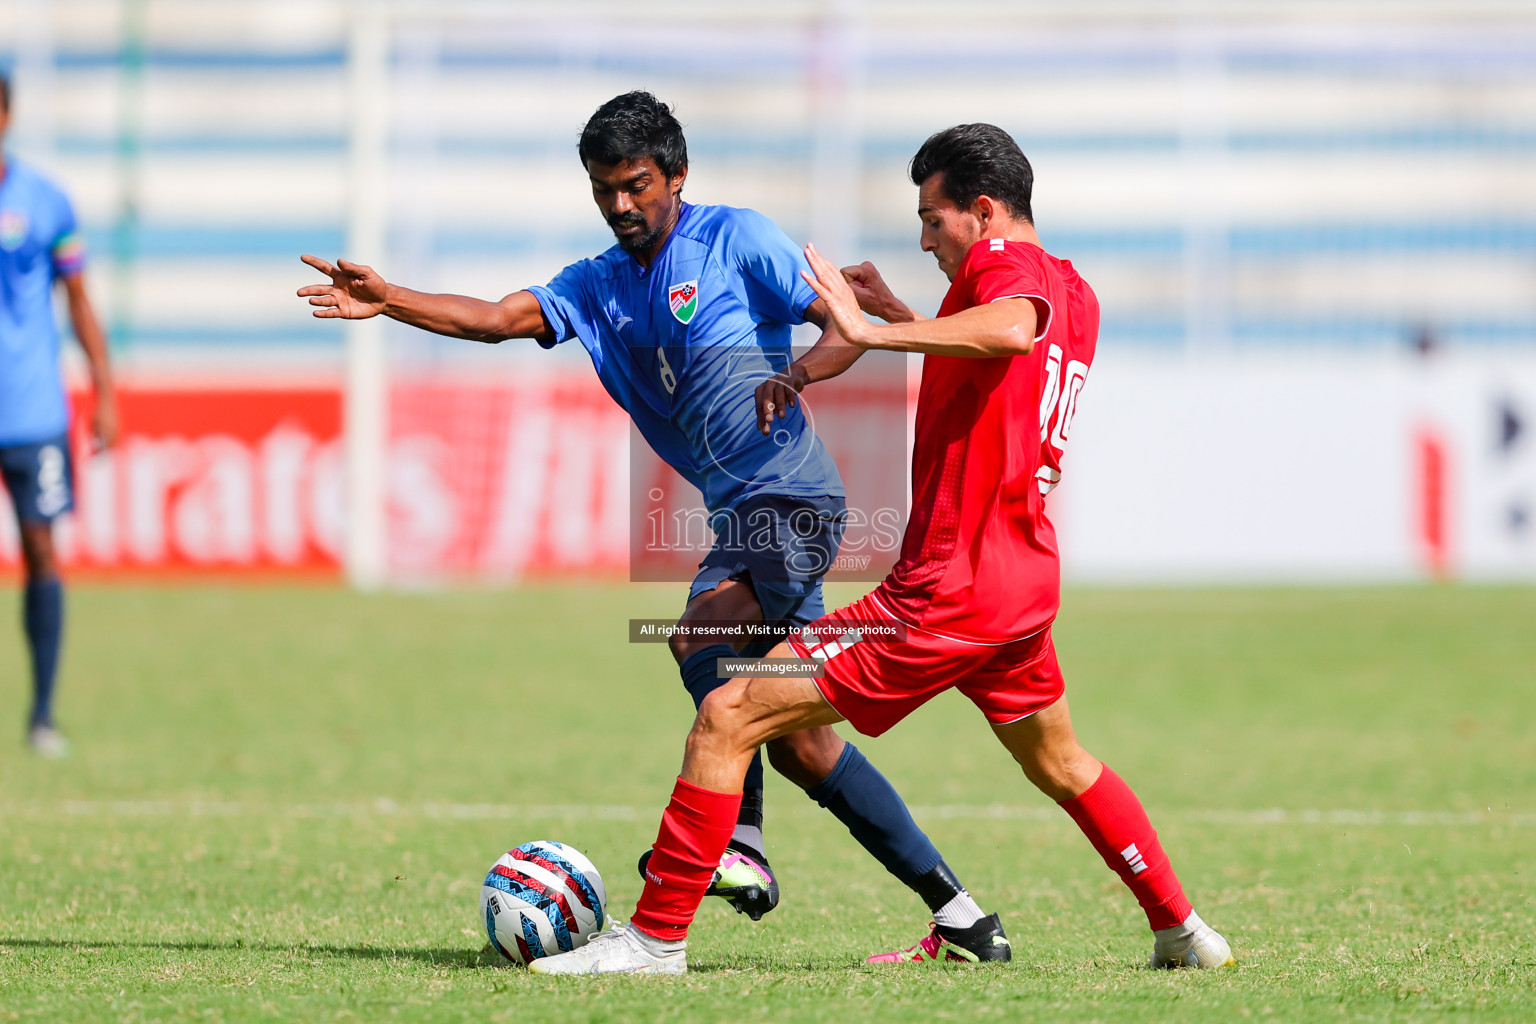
(41, 479)
(782, 546)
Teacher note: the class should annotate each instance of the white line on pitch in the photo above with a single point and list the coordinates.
(442, 809)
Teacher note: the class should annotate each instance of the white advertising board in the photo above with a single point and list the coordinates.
(1302, 467)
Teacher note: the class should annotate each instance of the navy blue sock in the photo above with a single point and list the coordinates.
(698, 671)
(700, 680)
(42, 615)
(864, 801)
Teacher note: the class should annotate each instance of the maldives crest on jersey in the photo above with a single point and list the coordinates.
(684, 300)
(13, 229)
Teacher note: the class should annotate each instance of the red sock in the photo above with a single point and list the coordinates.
(694, 830)
(1115, 823)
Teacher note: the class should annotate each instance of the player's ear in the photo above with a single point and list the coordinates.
(678, 179)
(984, 209)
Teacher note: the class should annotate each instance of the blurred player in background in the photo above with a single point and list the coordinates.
(39, 246)
(683, 318)
(978, 583)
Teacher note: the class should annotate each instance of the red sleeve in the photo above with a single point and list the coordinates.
(1008, 271)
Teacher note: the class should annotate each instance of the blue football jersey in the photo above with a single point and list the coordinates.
(38, 245)
(683, 344)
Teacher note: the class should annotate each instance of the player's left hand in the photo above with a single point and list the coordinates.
(842, 303)
(105, 425)
(777, 395)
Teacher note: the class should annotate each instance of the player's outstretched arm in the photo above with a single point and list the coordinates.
(1002, 328)
(357, 292)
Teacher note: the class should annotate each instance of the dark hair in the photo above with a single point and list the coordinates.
(5, 92)
(977, 160)
(631, 127)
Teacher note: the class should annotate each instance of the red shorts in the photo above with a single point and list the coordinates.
(875, 684)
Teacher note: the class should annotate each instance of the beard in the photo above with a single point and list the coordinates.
(637, 242)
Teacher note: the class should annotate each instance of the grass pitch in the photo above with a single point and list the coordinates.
(283, 800)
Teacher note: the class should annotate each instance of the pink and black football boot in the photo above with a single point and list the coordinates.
(982, 942)
(743, 879)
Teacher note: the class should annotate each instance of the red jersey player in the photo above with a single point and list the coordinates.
(977, 586)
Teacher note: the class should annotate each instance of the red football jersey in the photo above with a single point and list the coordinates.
(979, 560)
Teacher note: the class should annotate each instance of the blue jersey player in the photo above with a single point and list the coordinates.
(39, 247)
(684, 318)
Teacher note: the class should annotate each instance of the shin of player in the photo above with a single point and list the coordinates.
(732, 722)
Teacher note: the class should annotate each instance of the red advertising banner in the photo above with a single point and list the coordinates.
(206, 479)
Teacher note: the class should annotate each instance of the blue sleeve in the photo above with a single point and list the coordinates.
(769, 265)
(564, 301)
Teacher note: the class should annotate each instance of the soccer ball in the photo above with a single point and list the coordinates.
(541, 898)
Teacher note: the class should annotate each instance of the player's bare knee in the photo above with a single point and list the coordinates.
(681, 647)
(685, 647)
(716, 711)
(721, 721)
(37, 551)
(704, 741)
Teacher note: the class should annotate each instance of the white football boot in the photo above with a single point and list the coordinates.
(617, 950)
(1192, 944)
(46, 741)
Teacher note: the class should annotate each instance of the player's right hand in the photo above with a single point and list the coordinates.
(356, 292)
(874, 295)
(777, 395)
